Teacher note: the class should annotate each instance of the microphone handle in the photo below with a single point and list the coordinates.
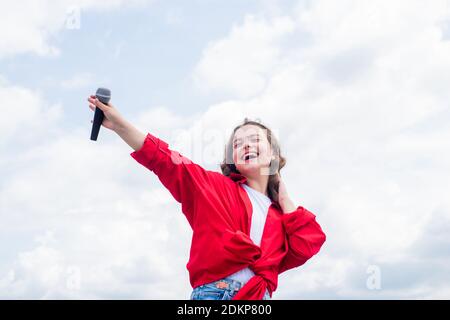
(98, 120)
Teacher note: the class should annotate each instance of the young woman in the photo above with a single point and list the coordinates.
(246, 229)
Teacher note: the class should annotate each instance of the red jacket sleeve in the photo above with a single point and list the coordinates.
(305, 238)
(183, 178)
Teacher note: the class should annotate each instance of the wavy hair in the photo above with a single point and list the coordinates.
(278, 162)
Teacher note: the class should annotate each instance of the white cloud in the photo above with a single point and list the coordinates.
(58, 192)
(356, 100)
(241, 63)
(25, 115)
(119, 232)
(162, 121)
(357, 95)
(33, 29)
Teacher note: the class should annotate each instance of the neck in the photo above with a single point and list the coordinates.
(259, 183)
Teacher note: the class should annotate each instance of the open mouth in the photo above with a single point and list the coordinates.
(250, 155)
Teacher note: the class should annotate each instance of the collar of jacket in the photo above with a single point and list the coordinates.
(239, 178)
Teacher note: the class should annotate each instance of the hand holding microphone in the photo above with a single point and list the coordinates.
(105, 113)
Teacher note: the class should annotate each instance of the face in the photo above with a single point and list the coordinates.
(252, 152)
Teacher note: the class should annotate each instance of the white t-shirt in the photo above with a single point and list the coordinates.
(260, 204)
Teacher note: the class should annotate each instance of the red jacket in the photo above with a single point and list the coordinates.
(219, 212)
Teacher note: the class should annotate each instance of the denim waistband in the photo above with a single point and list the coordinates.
(226, 286)
(227, 283)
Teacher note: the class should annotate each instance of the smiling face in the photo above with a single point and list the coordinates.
(251, 150)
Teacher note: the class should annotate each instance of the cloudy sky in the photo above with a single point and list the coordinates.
(356, 91)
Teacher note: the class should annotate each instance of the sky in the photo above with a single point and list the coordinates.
(355, 90)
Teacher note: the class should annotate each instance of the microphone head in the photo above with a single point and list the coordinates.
(104, 95)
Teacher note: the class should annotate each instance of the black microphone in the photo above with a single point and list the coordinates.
(104, 95)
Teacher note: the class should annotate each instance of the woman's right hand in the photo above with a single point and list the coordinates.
(112, 120)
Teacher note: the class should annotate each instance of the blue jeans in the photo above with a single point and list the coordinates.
(224, 289)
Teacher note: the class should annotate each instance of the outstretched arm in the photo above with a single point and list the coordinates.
(184, 179)
(132, 136)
